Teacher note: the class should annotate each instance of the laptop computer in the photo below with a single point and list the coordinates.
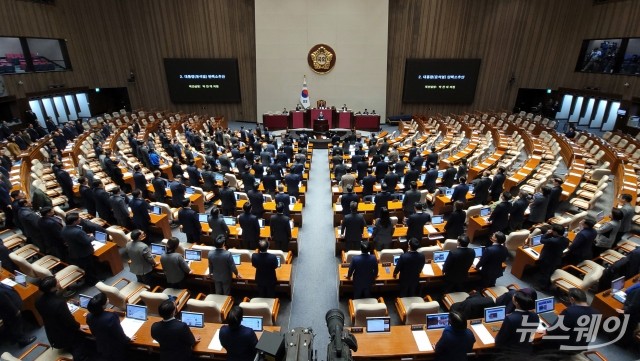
(193, 319)
(495, 314)
(236, 259)
(229, 221)
(448, 192)
(437, 320)
(436, 220)
(617, 289)
(156, 210)
(599, 216)
(237, 196)
(20, 278)
(192, 254)
(485, 212)
(261, 222)
(535, 240)
(136, 312)
(395, 259)
(378, 324)
(100, 236)
(545, 308)
(218, 177)
(83, 300)
(190, 190)
(440, 174)
(471, 188)
(253, 322)
(478, 251)
(203, 218)
(158, 249)
(440, 256)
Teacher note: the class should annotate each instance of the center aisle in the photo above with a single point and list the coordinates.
(315, 288)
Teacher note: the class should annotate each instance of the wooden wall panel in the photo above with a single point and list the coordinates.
(535, 41)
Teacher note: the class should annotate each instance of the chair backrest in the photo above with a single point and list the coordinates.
(593, 275)
(386, 255)
(516, 239)
(473, 211)
(242, 195)
(368, 310)
(416, 313)
(23, 265)
(260, 309)
(245, 254)
(153, 300)
(118, 236)
(209, 308)
(348, 255)
(450, 245)
(114, 296)
(576, 219)
(427, 252)
(280, 254)
(8, 357)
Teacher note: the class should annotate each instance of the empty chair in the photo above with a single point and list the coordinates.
(450, 245)
(214, 307)
(153, 299)
(119, 297)
(245, 254)
(584, 204)
(516, 239)
(568, 219)
(362, 308)
(39, 352)
(427, 252)
(584, 276)
(413, 310)
(387, 255)
(267, 308)
(473, 211)
(117, 236)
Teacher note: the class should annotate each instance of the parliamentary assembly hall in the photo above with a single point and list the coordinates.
(321, 180)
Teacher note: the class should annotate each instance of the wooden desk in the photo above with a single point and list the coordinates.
(109, 254)
(524, 257)
(606, 304)
(443, 204)
(477, 226)
(143, 337)
(197, 201)
(161, 223)
(28, 294)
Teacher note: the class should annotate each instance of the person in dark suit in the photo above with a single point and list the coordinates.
(7, 263)
(473, 306)
(159, 191)
(550, 259)
(11, 314)
(449, 176)
(381, 200)
(391, 180)
(580, 249)
(227, 199)
(351, 228)
(292, 182)
(87, 196)
(102, 202)
(432, 157)
(139, 181)
(188, 219)
(462, 169)
(280, 228)
(65, 181)
(217, 225)
(256, 198)
(174, 337)
(412, 175)
(140, 209)
(460, 191)
(178, 191)
(499, 218)
(250, 227)
(456, 222)
(481, 188)
(105, 327)
(269, 182)
(538, 207)
(416, 221)
(62, 330)
(567, 335)
(367, 183)
(119, 205)
(411, 197)
(364, 270)
(79, 246)
(518, 208)
(347, 198)
(431, 178)
(239, 341)
(282, 197)
(456, 267)
(554, 198)
(265, 264)
(490, 264)
(497, 184)
(518, 327)
(456, 340)
(381, 169)
(51, 226)
(409, 267)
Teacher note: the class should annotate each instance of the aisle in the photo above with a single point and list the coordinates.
(315, 287)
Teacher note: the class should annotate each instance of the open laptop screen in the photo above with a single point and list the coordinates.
(485, 211)
(136, 312)
(84, 300)
(192, 255)
(158, 249)
(494, 314)
(203, 218)
(535, 240)
(545, 305)
(617, 284)
(193, 319)
(100, 236)
(253, 322)
(229, 221)
(437, 320)
(437, 220)
(378, 324)
(440, 256)
(236, 259)
(156, 210)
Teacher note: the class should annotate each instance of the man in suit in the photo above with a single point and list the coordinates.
(79, 245)
(382, 200)
(538, 207)
(554, 198)
(412, 175)
(391, 180)
(473, 306)
(11, 315)
(62, 330)
(282, 197)
(177, 191)
(456, 340)
(188, 219)
(339, 170)
(481, 189)
(140, 181)
(497, 184)
(409, 267)
(87, 196)
(227, 199)
(248, 180)
(250, 227)
(550, 259)
(411, 198)
(347, 198)
(256, 198)
(432, 157)
(140, 209)
(29, 220)
(269, 182)
(581, 247)
(174, 266)
(381, 168)
(66, 183)
(364, 270)
(416, 222)
(119, 205)
(456, 267)
(460, 191)
(239, 341)
(518, 208)
(159, 184)
(221, 267)
(499, 218)
(102, 202)
(518, 327)
(449, 176)
(490, 264)
(367, 183)
(265, 264)
(51, 226)
(280, 228)
(292, 181)
(352, 226)
(111, 341)
(142, 261)
(430, 178)
(628, 212)
(174, 337)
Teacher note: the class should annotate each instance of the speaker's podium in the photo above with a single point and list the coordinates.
(321, 125)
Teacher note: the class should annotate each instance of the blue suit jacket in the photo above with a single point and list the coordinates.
(364, 269)
(460, 193)
(490, 264)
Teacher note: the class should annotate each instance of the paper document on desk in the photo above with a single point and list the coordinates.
(97, 245)
(483, 333)
(533, 253)
(215, 342)
(422, 340)
(475, 261)
(430, 229)
(131, 326)
(9, 282)
(428, 270)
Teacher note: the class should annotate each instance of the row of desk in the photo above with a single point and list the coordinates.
(334, 118)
